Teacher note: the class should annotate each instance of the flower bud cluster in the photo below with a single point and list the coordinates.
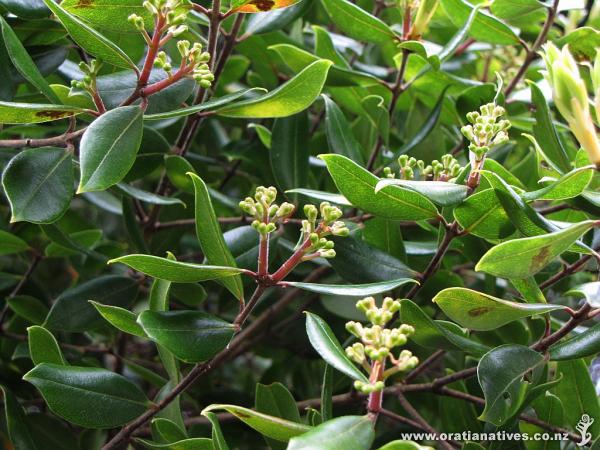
(571, 96)
(173, 14)
(317, 233)
(412, 168)
(196, 58)
(90, 72)
(265, 211)
(377, 342)
(486, 131)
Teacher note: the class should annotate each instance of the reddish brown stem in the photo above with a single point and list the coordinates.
(152, 51)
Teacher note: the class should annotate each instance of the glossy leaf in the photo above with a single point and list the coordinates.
(43, 347)
(179, 272)
(358, 186)
(218, 439)
(288, 99)
(210, 236)
(339, 134)
(120, 318)
(522, 258)
(89, 39)
(275, 400)
(29, 308)
(269, 426)
(357, 23)
(583, 344)
(205, 106)
(15, 113)
(342, 433)
(39, 184)
(108, 148)
(407, 445)
(440, 192)
(191, 336)
(437, 334)
(589, 291)
(326, 344)
(351, 290)
(108, 399)
(568, 186)
(148, 197)
(485, 27)
(23, 62)
(289, 151)
(18, 430)
(481, 312)
(501, 374)
(322, 196)
(481, 214)
(72, 311)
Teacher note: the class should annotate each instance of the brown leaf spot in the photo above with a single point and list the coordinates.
(84, 4)
(540, 259)
(242, 415)
(475, 312)
(53, 114)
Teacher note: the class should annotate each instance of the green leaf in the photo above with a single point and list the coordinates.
(176, 271)
(10, 244)
(522, 258)
(359, 262)
(72, 311)
(272, 427)
(86, 396)
(583, 42)
(440, 192)
(108, 148)
(27, 9)
(16, 424)
(148, 197)
(523, 12)
(482, 215)
(276, 19)
(23, 62)
(545, 132)
(326, 344)
(481, 312)
(327, 394)
(406, 445)
(358, 186)
(15, 113)
(120, 318)
(210, 236)
(589, 291)
(351, 290)
(206, 106)
(186, 444)
(358, 24)
(568, 186)
(577, 393)
(289, 151)
(339, 134)
(321, 196)
(89, 39)
(485, 27)
(85, 238)
(582, 345)
(275, 400)
(217, 435)
(191, 336)
(288, 99)
(437, 334)
(43, 347)
(109, 14)
(501, 374)
(39, 184)
(30, 308)
(342, 433)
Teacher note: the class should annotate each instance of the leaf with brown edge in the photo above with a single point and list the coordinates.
(257, 6)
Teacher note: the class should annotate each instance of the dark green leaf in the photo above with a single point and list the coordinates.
(191, 336)
(584, 344)
(481, 214)
(120, 318)
(501, 374)
(108, 148)
(16, 424)
(326, 344)
(43, 347)
(343, 433)
(357, 23)
(358, 186)
(39, 184)
(176, 271)
(440, 192)
(339, 134)
(9, 244)
(29, 308)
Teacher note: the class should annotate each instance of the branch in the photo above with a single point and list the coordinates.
(532, 52)
(61, 140)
